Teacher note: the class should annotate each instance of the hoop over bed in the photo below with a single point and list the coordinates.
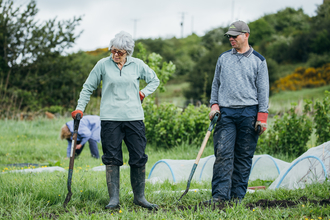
(264, 167)
(311, 167)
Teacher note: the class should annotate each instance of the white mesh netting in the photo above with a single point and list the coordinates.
(179, 170)
(264, 167)
(311, 167)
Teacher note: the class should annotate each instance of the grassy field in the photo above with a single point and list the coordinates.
(174, 94)
(281, 102)
(41, 195)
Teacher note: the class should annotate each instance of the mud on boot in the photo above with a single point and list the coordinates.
(112, 175)
(237, 201)
(213, 201)
(138, 186)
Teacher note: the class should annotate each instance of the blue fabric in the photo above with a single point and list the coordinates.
(133, 133)
(89, 128)
(235, 141)
(92, 147)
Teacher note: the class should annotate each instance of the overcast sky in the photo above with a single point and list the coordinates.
(102, 19)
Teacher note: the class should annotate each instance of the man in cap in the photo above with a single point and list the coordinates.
(240, 93)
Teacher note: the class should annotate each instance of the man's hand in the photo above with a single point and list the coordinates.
(74, 113)
(214, 109)
(262, 121)
(141, 96)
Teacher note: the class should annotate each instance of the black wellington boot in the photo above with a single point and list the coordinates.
(112, 175)
(138, 185)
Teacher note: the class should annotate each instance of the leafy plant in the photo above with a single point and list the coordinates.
(289, 134)
(322, 119)
(163, 70)
(169, 126)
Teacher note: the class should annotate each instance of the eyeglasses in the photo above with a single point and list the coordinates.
(113, 51)
(229, 36)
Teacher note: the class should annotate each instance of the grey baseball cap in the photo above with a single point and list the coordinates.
(237, 27)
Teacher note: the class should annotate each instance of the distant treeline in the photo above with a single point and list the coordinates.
(287, 39)
(36, 74)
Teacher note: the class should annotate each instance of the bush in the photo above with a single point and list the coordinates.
(55, 109)
(303, 78)
(316, 60)
(322, 119)
(194, 123)
(289, 134)
(168, 126)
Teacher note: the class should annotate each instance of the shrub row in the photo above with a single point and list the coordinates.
(168, 126)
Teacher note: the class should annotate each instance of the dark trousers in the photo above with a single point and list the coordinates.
(133, 133)
(92, 147)
(235, 141)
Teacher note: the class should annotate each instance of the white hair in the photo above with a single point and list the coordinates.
(123, 41)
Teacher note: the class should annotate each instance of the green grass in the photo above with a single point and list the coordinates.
(174, 94)
(281, 102)
(41, 195)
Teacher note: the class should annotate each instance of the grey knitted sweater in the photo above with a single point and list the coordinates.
(241, 80)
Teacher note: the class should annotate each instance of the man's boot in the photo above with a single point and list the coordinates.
(112, 175)
(138, 185)
(213, 201)
(237, 201)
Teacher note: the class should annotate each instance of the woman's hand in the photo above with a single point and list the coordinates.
(78, 146)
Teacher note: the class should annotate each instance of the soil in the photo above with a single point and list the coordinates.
(262, 203)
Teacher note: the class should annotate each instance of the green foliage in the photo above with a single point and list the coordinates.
(316, 60)
(289, 134)
(55, 109)
(182, 52)
(275, 48)
(169, 126)
(272, 71)
(214, 38)
(164, 71)
(322, 119)
(197, 79)
(261, 31)
(31, 64)
(288, 21)
(320, 35)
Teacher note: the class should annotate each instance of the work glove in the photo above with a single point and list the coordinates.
(214, 109)
(74, 113)
(262, 121)
(141, 96)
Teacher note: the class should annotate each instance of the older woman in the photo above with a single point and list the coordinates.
(121, 114)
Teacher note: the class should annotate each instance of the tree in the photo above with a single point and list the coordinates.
(25, 43)
(202, 75)
(261, 30)
(320, 31)
(214, 38)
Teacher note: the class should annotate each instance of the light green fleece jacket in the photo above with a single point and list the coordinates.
(120, 88)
